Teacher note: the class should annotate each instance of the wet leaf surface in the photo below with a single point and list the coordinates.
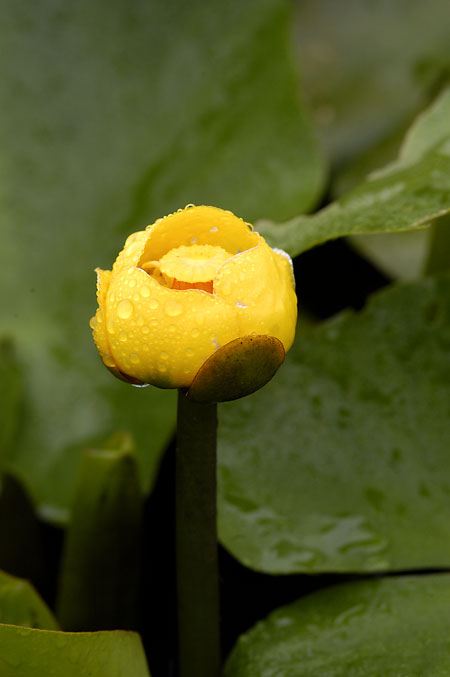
(395, 627)
(340, 463)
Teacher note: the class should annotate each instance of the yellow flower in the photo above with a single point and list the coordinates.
(185, 286)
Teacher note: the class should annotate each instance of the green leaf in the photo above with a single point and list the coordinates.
(112, 116)
(41, 653)
(99, 570)
(394, 627)
(11, 387)
(406, 195)
(340, 463)
(369, 82)
(403, 255)
(21, 605)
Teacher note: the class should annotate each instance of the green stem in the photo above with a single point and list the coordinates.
(196, 540)
(438, 259)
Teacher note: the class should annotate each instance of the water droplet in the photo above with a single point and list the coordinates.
(110, 325)
(154, 323)
(195, 332)
(239, 304)
(189, 206)
(214, 229)
(108, 360)
(153, 304)
(226, 289)
(172, 329)
(125, 309)
(145, 330)
(145, 292)
(134, 359)
(189, 352)
(163, 355)
(173, 308)
(242, 276)
(123, 336)
(132, 283)
(162, 367)
(193, 240)
(93, 322)
(112, 297)
(140, 321)
(144, 347)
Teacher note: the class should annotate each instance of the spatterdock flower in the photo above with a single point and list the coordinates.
(186, 286)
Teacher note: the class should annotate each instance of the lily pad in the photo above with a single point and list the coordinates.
(46, 653)
(341, 462)
(395, 627)
(111, 117)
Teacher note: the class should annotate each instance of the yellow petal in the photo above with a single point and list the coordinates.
(198, 225)
(259, 284)
(98, 322)
(162, 336)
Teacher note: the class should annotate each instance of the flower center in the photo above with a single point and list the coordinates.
(189, 267)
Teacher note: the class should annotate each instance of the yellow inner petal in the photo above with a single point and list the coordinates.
(188, 266)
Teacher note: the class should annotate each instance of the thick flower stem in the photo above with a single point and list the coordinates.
(196, 540)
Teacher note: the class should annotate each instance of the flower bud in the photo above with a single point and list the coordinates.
(184, 288)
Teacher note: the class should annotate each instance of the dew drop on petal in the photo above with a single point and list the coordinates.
(134, 359)
(239, 304)
(145, 330)
(189, 352)
(173, 309)
(162, 367)
(123, 336)
(195, 332)
(214, 229)
(110, 326)
(108, 361)
(163, 355)
(153, 304)
(132, 283)
(93, 322)
(172, 329)
(125, 309)
(226, 289)
(145, 292)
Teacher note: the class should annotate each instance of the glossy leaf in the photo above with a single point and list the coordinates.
(340, 462)
(395, 627)
(41, 653)
(21, 605)
(404, 255)
(114, 115)
(406, 195)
